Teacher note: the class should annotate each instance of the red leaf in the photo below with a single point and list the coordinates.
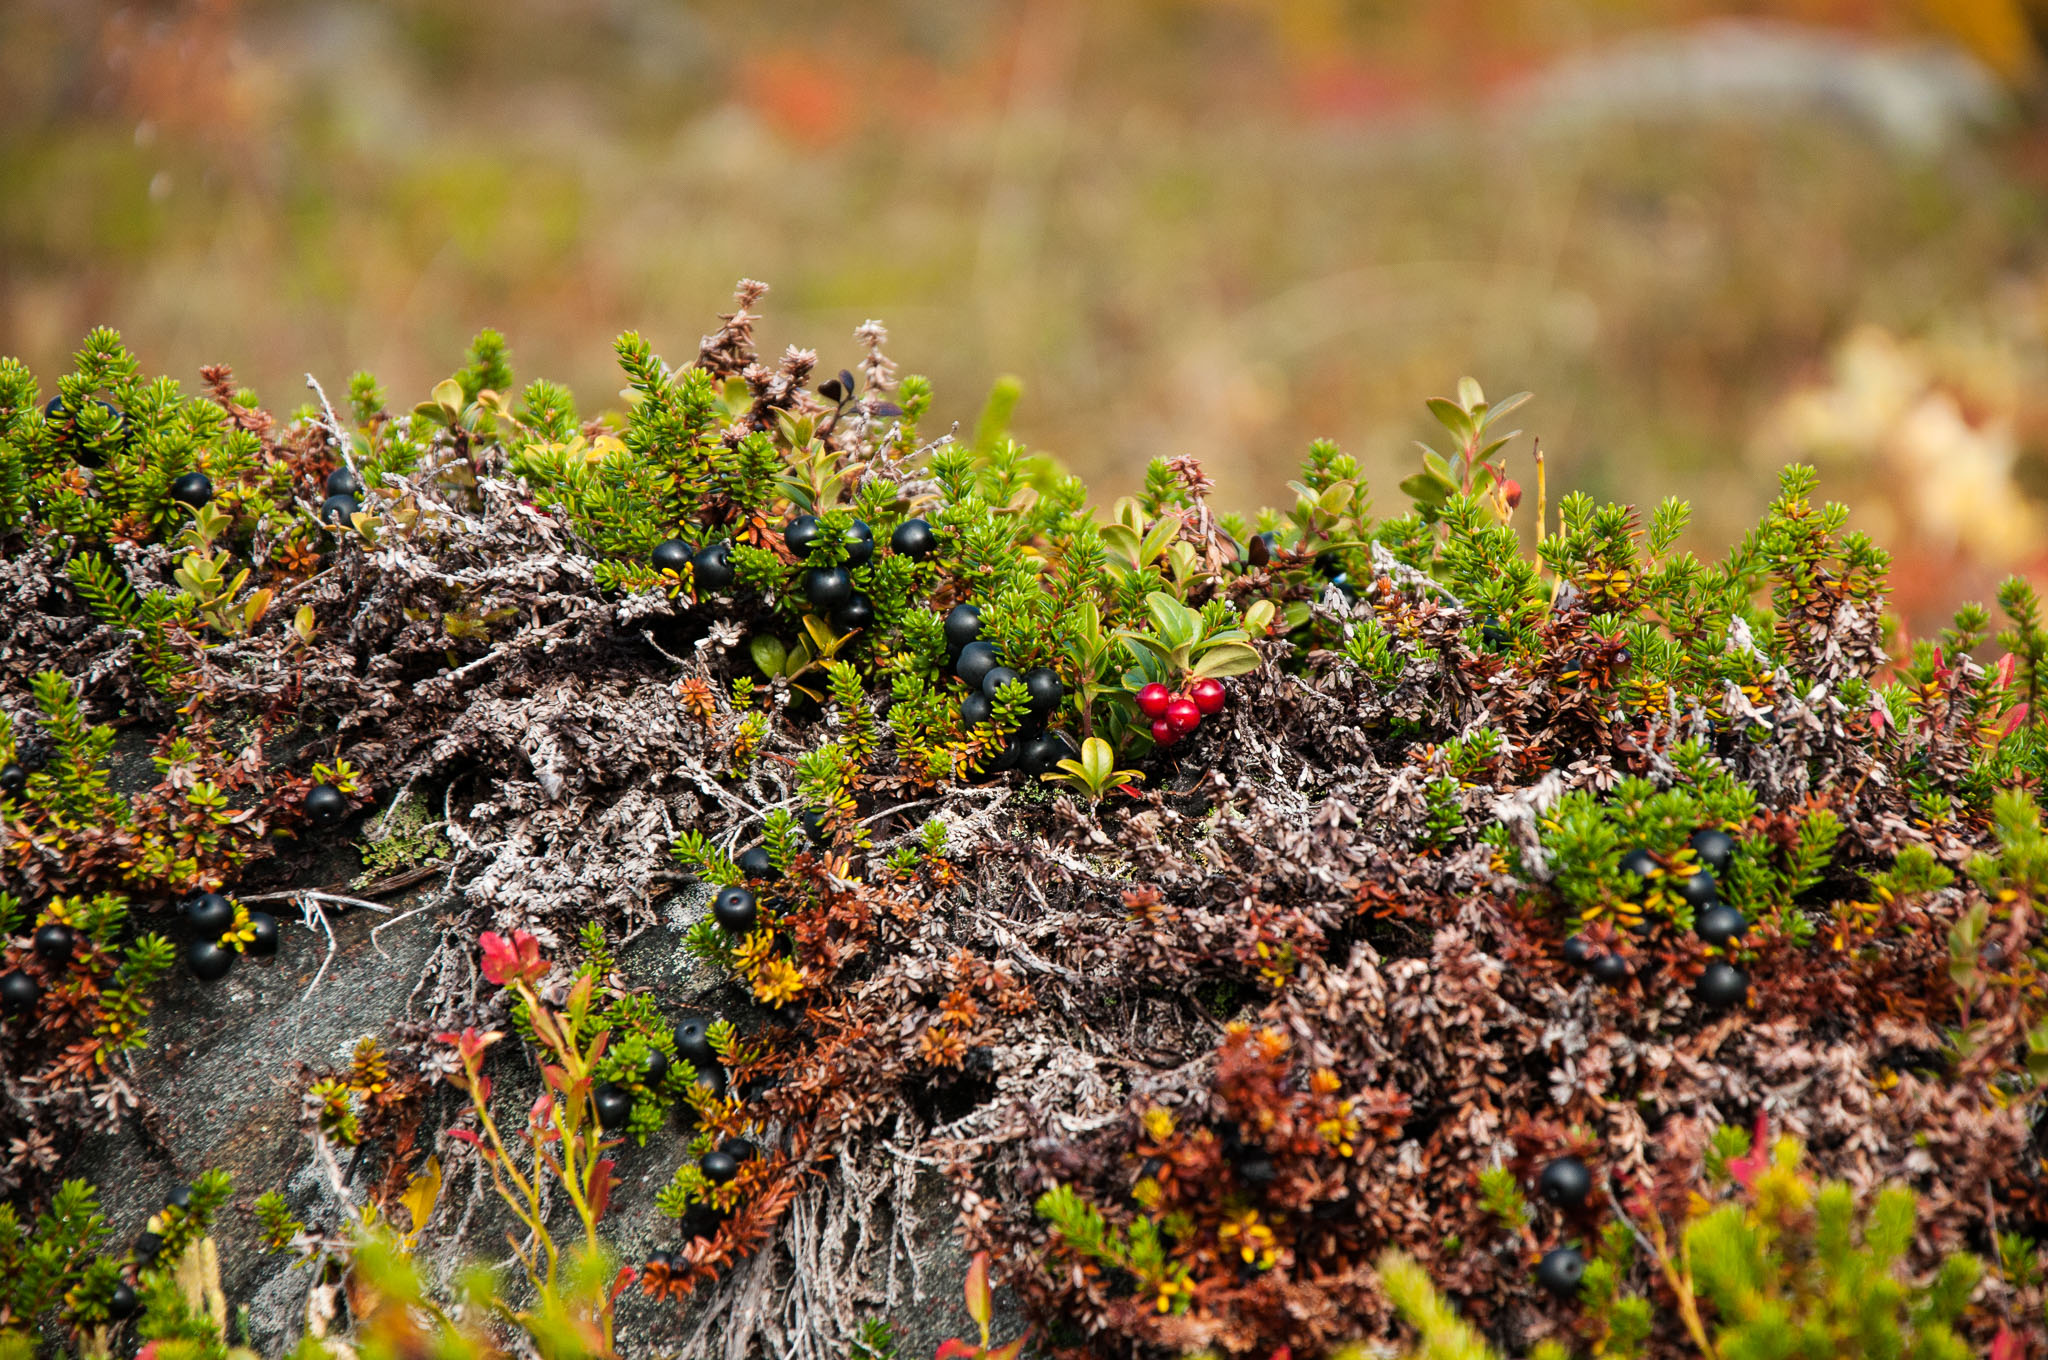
(1744, 1169)
(601, 1183)
(515, 960)
(953, 1348)
(1008, 1352)
(2004, 1346)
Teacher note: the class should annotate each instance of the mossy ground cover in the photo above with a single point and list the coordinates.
(1275, 931)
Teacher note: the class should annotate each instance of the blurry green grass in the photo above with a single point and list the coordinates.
(1189, 229)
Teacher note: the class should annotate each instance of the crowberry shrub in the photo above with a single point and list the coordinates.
(1275, 931)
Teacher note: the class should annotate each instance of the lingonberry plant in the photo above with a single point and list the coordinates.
(1267, 927)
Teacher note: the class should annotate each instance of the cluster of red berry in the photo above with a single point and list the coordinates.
(1175, 715)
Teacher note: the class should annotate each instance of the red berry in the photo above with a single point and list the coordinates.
(1163, 733)
(1183, 716)
(1153, 699)
(1511, 492)
(1208, 695)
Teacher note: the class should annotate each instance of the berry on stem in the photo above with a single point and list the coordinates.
(828, 587)
(1045, 689)
(718, 1166)
(210, 915)
(1043, 753)
(1208, 695)
(735, 910)
(1611, 969)
(693, 1043)
(1719, 924)
(801, 534)
(963, 625)
(1182, 716)
(1560, 1271)
(263, 940)
(614, 1105)
(13, 779)
(1577, 951)
(975, 709)
(1639, 862)
(208, 961)
(54, 942)
(1722, 985)
(122, 1303)
(671, 554)
(342, 482)
(860, 544)
(1715, 848)
(755, 863)
(18, 992)
(339, 509)
(657, 1067)
(325, 805)
(712, 567)
(1153, 699)
(856, 614)
(997, 677)
(1565, 1182)
(914, 539)
(1699, 890)
(977, 659)
(194, 489)
(1163, 733)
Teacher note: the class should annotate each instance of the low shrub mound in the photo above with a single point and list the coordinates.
(1289, 936)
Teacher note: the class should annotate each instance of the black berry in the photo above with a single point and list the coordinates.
(180, 1197)
(995, 678)
(18, 992)
(963, 625)
(1560, 1271)
(210, 915)
(914, 539)
(734, 910)
(1576, 951)
(857, 613)
(1698, 890)
(671, 554)
(208, 961)
(13, 779)
(194, 489)
(1722, 985)
(614, 1105)
(713, 567)
(860, 544)
(1259, 551)
(1045, 689)
(665, 1259)
(739, 1149)
(1043, 753)
(801, 534)
(718, 1166)
(342, 482)
(1719, 924)
(263, 934)
(975, 709)
(1565, 1182)
(55, 942)
(148, 1247)
(325, 804)
(1639, 862)
(657, 1067)
(828, 587)
(338, 509)
(755, 863)
(1611, 969)
(122, 1303)
(1715, 848)
(693, 1043)
(813, 823)
(977, 659)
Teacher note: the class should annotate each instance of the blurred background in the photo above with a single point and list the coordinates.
(1711, 237)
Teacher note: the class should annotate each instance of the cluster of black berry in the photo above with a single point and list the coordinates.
(1721, 984)
(976, 665)
(1565, 1182)
(54, 944)
(217, 939)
